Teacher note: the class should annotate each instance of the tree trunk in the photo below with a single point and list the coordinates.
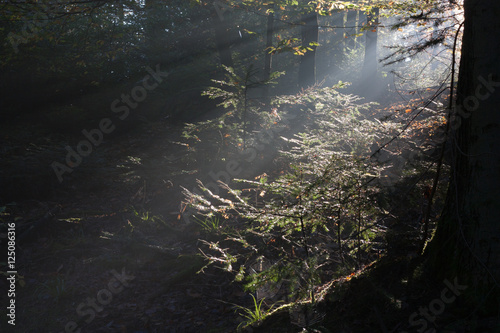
(268, 56)
(361, 40)
(151, 29)
(466, 243)
(222, 37)
(351, 31)
(307, 68)
(369, 73)
(337, 41)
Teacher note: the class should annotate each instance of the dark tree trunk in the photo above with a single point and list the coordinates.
(151, 29)
(467, 240)
(268, 56)
(223, 38)
(307, 68)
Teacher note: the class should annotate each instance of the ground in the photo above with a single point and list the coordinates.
(100, 223)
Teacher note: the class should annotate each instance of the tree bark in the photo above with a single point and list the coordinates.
(310, 33)
(466, 243)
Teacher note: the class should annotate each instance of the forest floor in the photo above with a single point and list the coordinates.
(108, 219)
(116, 218)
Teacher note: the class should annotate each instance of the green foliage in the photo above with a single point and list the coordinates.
(291, 45)
(236, 86)
(145, 219)
(234, 125)
(211, 225)
(316, 215)
(253, 316)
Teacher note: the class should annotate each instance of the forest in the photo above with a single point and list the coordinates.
(250, 166)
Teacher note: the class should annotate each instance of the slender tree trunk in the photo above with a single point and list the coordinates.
(337, 41)
(466, 244)
(151, 28)
(370, 65)
(351, 30)
(222, 37)
(360, 40)
(268, 56)
(307, 68)
(149, 23)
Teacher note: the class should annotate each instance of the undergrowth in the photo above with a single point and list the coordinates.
(286, 237)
